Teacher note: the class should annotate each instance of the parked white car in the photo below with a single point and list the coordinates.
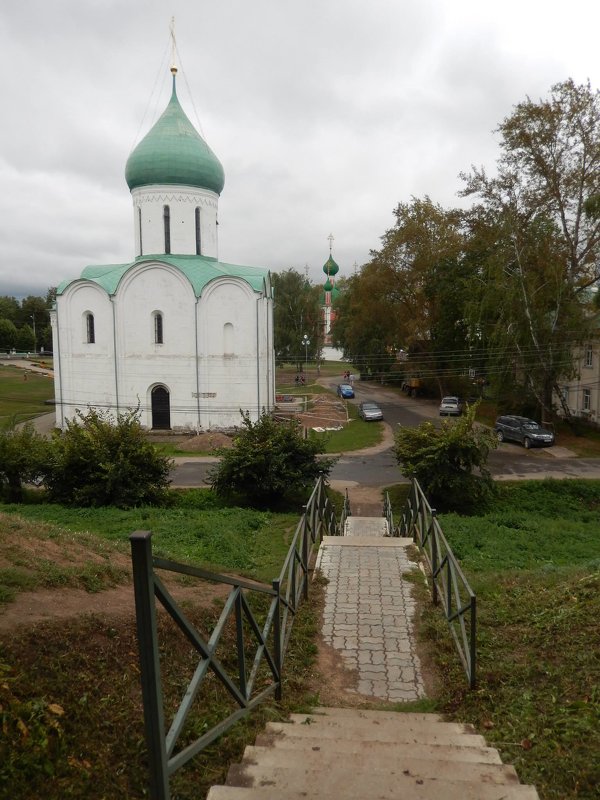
(451, 407)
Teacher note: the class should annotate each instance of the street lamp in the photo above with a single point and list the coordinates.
(34, 336)
(306, 343)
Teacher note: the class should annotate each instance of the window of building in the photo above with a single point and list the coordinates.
(589, 355)
(198, 234)
(587, 399)
(167, 224)
(228, 343)
(140, 230)
(90, 332)
(158, 328)
(565, 394)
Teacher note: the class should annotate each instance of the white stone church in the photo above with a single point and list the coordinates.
(176, 332)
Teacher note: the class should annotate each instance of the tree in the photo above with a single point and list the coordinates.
(24, 457)
(296, 312)
(542, 208)
(101, 460)
(270, 463)
(9, 308)
(25, 340)
(400, 299)
(8, 334)
(449, 462)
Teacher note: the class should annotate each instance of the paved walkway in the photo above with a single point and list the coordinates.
(369, 610)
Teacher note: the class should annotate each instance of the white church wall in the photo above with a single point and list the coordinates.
(182, 202)
(230, 377)
(143, 363)
(86, 369)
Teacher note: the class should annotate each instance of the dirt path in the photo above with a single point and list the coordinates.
(43, 605)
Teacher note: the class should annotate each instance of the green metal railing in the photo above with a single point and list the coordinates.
(389, 515)
(346, 512)
(449, 585)
(269, 638)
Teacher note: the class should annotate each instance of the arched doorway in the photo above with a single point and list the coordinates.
(161, 409)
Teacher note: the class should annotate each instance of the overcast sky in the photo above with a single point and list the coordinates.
(324, 113)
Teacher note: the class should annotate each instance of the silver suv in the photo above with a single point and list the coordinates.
(524, 430)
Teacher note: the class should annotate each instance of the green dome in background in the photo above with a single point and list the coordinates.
(330, 267)
(173, 152)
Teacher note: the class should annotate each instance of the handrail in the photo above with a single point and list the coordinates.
(449, 584)
(346, 512)
(269, 638)
(388, 514)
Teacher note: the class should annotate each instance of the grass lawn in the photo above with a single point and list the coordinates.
(69, 688)
(197, 530)
(533, 560)
(23, 394)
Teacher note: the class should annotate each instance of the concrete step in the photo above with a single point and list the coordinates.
(482, 755)
(372, 760)
(341, 781)
(417, 793)
(386, 728)
(381, 733)
(367, 713)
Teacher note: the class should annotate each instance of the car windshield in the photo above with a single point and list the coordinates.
(370, 406)
(531, 426)
(450, 401)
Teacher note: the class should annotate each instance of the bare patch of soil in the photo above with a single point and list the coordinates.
(43, 605)
(205, 442)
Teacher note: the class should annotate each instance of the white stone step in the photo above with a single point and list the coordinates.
(343, 782)
(417, 793)
(386, 728)
(372, 760)
(482, 755)
(382, 733)
(367, 713)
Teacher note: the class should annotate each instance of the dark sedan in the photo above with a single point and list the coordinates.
(521, 429)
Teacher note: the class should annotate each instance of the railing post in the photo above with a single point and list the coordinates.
(277, 637)
(145, 612)
(434, 559)
(239, 632)
(473, 643)
(305, 555)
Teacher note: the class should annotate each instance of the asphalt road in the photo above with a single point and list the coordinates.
(377, 466)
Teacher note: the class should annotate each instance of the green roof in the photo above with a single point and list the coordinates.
(173, 152)
(199, 270)
(330, 267)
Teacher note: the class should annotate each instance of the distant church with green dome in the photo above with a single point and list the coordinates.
(183, 336)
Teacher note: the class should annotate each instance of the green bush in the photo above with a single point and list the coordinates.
(269, 463)
(100, 460)
(448, 461)
(24, 457)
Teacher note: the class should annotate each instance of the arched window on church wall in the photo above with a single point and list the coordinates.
(228, 345)
(167, 225)
(90, 331)
(157, 319)
(198, 233)
(140, 231)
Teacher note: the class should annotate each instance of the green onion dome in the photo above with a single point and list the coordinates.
(330, 267)
(328, 286)
(173, 152)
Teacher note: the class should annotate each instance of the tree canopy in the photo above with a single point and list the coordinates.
(501, 292)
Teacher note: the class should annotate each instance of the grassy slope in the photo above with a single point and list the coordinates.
(69, 691)
(23, 398)
(196, 530)
(533, 562)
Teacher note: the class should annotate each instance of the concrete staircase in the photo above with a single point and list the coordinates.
(347, 753)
